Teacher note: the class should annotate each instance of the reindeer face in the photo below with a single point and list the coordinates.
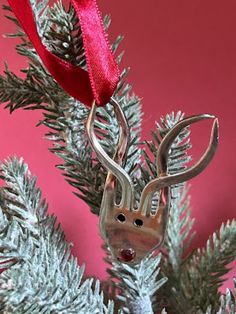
(130, 235)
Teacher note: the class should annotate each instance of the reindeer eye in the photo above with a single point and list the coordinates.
(138, 223)
(121, 218)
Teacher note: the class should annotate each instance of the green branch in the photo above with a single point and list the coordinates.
(40, 274)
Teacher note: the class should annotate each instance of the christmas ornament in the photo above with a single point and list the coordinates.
(130, 233)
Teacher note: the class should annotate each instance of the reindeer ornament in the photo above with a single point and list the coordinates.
(131, 233)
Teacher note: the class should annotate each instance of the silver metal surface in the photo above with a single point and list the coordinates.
(130, 233)
(113, 165)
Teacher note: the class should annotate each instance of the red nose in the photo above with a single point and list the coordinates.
(127, 255)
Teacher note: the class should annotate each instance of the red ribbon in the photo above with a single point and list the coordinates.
(100, 81)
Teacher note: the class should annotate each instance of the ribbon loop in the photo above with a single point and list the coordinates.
(103, 74)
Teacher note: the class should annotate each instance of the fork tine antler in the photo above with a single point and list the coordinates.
(113, 165)
(164, 181)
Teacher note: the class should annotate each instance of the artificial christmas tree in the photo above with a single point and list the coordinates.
(40, 276)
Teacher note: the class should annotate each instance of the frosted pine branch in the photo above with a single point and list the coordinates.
(206, 267)
(138, 284)
(40, 275)
(228, 301)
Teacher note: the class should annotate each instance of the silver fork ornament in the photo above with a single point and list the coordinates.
(130, 233)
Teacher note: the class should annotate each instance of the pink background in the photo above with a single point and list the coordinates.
(182, 56)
